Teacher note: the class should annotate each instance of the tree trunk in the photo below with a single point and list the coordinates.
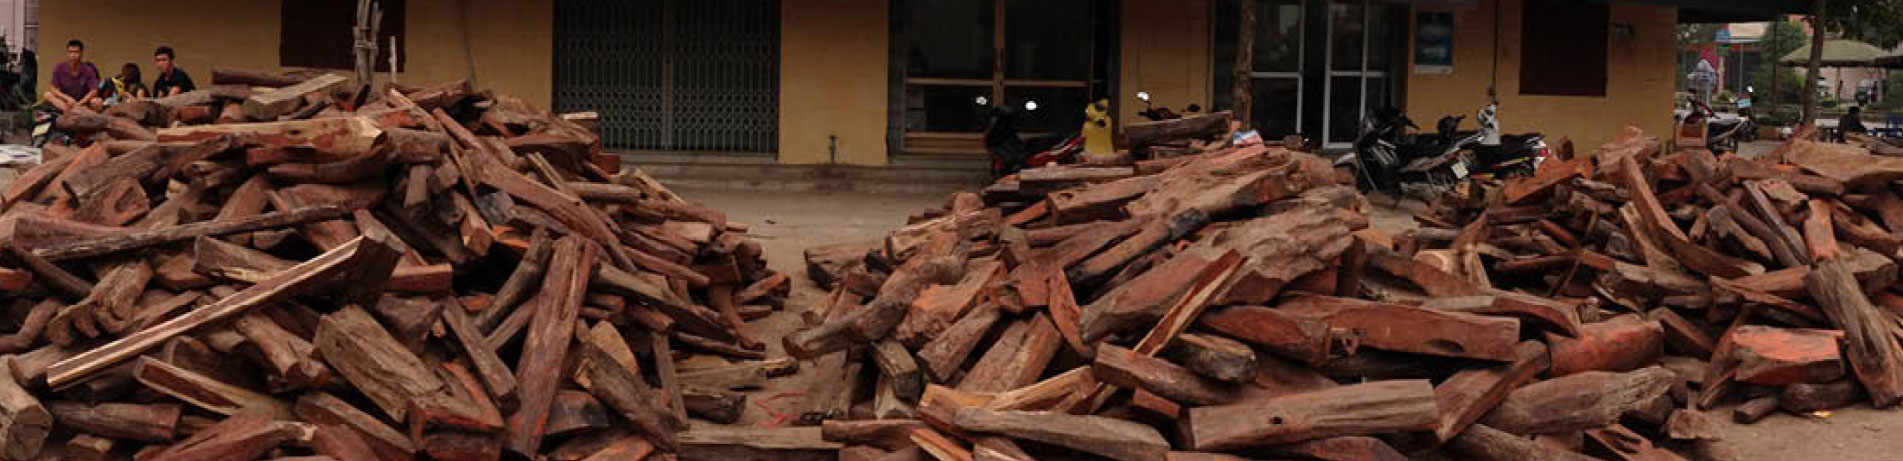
(1243, 91)
(1816, 55)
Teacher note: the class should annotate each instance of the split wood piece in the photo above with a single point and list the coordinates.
(1214, 357)
(1750, 293)
(721, 297)
(945, 354)
(880, 316)
(12, 280)
(662, 352)
(899, 368)
(1435, 282)
(740, 375)
(567, 209)
(996, 448)
(938, 306)
(84, 447)
(1145, 298)
(54, 276)
(1666, 232)
(1773, 234)
(1818, 233)
(1754, 410)
(1096, 201)
(1104, 436)
(1482, 443)
(365, 257)
(222, 75)
(31, 328)
(1852, 165)
(1522, 191)
(339, 442)
(141, 422)
(653, 291)
(1870, 338)
(722, 407)
(1724, 228)
(1558, 316)
(1203, 290)
(550, 332)
(119, 202)
(324, 409)
(24, 422)
(622, 448)
(1806, 397)
(621, 388)
(1471, 393)
(1781, 356)
(736, 442)
(1579, 401)
(1624, 343)
(1689, 424)
(1364, 409)
(237, 437)
(832, 402)
(30, 183)
(1682, 337)
(1412, 329)
(1618, 442)
(207, 393)
(496, 376)
(889, 434)
(1297, 338)
(1154, 234)
(1352, 448)
(1122, 367)
(1016, 359)
(1283, 247)
(1759, 204)
(374, 362)
(938, 446)
(88, 248)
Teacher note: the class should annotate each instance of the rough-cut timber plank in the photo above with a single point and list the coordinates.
(1300, 339)
(1143, 299)
(1870, 337)
(715, 443)
(1122, 367)
(1781, 356)
(117, 243)
(1212, 356)
(1104, 436)
(365, 256)
(269, 105)
(1577, 402)
(146, 423)
(1363, 409)
(325, 409)
(619, 386)
(1623, 343)
(1283, 247)
(946, 353)
(346, 136)
(237, 437)
(205, 392)
(1470, 394)
(1352, 448)
(496, 376)
(1405, 328)
(1017, 359)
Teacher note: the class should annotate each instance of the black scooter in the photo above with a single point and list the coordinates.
(1388, 158)
(1011, 153)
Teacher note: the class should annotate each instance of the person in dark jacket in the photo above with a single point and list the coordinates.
(171, 80)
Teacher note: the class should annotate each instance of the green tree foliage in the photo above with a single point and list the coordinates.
(1780, 39)
(1877, 22)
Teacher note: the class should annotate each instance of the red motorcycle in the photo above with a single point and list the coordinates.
(1011, 153)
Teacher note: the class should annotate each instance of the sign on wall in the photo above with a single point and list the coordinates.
(1434, 42)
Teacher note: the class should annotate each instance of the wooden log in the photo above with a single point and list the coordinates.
(1017, 359)
(1355, 448)
(881, 315)
(362, 351)
(1681, 336)
(54, 276)
(731, 442)
(238, 437)
(140, 239)
(1122, 367)
(1623, 343)
(1470, 394)
(1214, 357)
(272, 104)
(348, 136)
(1871, 340)
(145, 423)
(1804, 398)
(946, 353)
(891, 434)
(1482, 443)
(899, 368)
(1144, 298)
(719, 406)
(1145, 133)
(496, 375)
(938, 306)
(1754, 410)
(1426, 331)
(364, 258)
(1578, 401)
(288, 354)
(1363, 409)
(1296, 338)
(621, 388)
(1103, 436)
(24, 422)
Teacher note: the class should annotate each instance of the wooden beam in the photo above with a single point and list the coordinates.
(1870, 338)
(1363, 409)
(1577, 402)
(1104, 436)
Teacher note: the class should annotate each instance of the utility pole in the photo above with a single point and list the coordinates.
(1816, 58)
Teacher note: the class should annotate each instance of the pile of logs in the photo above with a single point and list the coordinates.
(1236, 305)
(281, 265)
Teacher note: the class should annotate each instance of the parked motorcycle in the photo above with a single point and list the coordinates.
(1504, 155)
(1158, 114)
(1389, 159)
(1011, 153)
(1722, 134)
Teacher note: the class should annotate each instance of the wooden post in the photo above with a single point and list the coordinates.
(1816, 57)
(1243, 90)
(369, 21)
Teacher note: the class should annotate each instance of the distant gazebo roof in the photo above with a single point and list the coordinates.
(1837, 53)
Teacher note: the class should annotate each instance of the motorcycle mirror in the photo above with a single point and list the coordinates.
(1030, 105)
(1143, 96)
(982, 101)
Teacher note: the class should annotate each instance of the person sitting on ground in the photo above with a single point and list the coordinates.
(126, 87)
(74, 80)
(171, 80)
(1852, 122)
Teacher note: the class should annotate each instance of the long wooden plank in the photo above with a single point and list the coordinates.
(140, 239)
(1362, 409)
(1869, 336)
(1104, 436)
(365, 255)
(550, 332)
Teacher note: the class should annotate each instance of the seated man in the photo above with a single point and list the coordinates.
(1852, 122)
(74, 80)
(171, 80)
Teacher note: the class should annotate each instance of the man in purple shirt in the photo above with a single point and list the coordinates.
(74, 80)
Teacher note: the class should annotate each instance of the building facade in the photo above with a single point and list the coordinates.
(866, 81)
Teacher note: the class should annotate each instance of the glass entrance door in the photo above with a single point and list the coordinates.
(1361, 44)
(1276, 73)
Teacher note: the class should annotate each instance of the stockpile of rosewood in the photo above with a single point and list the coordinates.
(1236, 305)
(285, 266)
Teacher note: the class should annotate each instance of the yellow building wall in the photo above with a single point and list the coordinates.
(512, 41)
(1165, 52)
(1638, 88)
(833, 80)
